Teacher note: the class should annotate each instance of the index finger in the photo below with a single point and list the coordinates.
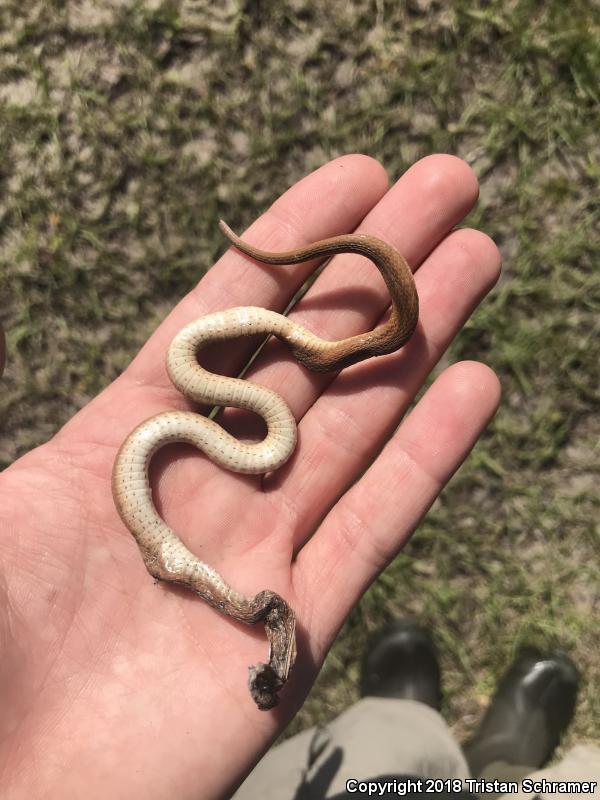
(346, 188)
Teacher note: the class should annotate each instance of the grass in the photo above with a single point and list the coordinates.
(127, 131)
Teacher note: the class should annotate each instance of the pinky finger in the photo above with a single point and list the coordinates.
(372, 521)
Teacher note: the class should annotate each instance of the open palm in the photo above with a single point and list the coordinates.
(114, 687)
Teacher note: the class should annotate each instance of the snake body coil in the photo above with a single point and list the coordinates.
(164, 554)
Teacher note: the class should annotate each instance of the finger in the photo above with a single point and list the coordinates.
(345, 428)
(447, 190)
(416, 214)
(369, 525)
(346, 187)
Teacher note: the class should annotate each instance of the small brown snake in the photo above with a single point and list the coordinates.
(164, 554)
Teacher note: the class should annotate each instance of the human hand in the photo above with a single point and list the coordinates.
(114, 687)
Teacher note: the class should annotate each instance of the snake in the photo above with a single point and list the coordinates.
(164, 554)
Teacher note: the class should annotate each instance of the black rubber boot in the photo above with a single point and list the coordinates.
(401, 662)
(530, 711)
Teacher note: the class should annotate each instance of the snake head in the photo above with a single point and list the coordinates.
(264, 683)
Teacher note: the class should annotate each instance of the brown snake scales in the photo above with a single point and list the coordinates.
(164, 554)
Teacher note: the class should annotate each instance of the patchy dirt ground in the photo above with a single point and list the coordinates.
(127, 130)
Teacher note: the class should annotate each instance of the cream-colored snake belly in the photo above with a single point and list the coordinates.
(164, 554)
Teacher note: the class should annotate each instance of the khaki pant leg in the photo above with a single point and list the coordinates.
(376, 736)
(581, 763)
